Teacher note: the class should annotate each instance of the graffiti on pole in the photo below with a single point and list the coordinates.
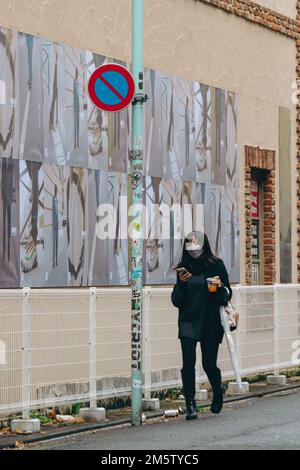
(136, 310)
(137, 154)
(136, 334)
(136, 178)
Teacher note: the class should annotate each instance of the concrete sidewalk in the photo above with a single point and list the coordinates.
(121, 417)
(272, 422)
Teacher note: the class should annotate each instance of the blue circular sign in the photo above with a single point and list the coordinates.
(111, 87)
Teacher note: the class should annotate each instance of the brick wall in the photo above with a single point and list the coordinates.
(269, 245)
(261, 15)
(261, 159)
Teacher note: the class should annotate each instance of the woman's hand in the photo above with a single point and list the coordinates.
(216, 281)
(185, 277)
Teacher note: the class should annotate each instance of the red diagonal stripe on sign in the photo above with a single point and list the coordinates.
(111, 88)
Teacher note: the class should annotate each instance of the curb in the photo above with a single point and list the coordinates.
(119, 422)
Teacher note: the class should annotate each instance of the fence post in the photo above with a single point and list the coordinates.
(276, 329)
(26, 344)
(92, 348)
(146, 343)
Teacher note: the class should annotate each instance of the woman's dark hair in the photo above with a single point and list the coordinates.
(207, 255)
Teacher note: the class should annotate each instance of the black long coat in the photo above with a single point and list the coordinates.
(199, 309)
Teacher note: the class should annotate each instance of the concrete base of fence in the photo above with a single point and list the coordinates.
(26, 426)
(235, 389)
(201, 395)
(151, 404)
(92, 415)
(276, 379)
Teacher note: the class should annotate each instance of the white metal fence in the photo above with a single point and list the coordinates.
(69, 345)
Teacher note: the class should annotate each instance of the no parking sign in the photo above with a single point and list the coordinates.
(111, 87)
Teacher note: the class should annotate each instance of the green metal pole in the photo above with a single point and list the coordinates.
(137, 198)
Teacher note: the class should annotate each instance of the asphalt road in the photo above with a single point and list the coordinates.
(272, 422)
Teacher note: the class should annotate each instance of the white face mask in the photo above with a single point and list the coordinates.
(195, 253)
(193, 249)
(192, 246)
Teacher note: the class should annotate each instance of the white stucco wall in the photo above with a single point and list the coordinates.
(285, 7)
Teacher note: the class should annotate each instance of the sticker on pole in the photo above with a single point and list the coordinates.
(111, 87)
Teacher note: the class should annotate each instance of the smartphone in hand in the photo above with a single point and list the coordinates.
(182, 271)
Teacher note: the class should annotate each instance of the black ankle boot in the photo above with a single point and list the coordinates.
(188, 382)
(191, 410)
(217, 402)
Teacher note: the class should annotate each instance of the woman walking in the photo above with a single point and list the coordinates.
(202, 287)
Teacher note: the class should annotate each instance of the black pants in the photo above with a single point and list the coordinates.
(209, 351)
